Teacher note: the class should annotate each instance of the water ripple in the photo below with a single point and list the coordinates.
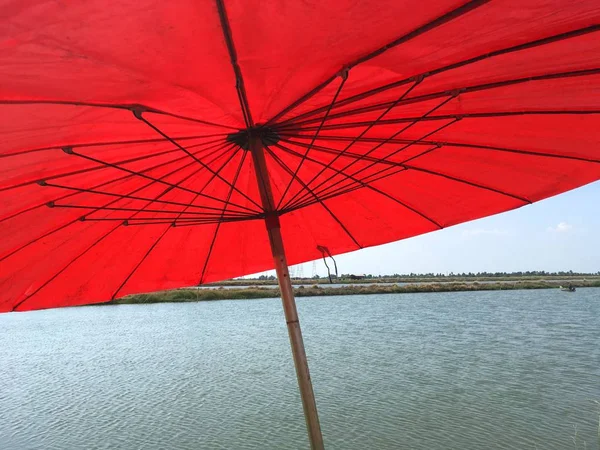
(478, 370)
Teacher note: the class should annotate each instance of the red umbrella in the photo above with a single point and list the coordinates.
(144, 145)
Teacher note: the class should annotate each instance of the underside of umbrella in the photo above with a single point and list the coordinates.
(144, 145)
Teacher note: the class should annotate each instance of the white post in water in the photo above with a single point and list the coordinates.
(287, 294)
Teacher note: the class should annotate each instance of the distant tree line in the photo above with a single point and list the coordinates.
(267, 277)
(529, 273)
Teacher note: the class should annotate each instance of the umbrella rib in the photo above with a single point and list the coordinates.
(127, 107)
(109, 143)
(213, 176)
(76, 258)
(441, 20)
(174, 220)
(219, 171)
(409, 167)
(155, 243)
(183, 149)
(226, 147)
(365, 131)
(130, 197)
(350, 188)
(56, 230)
(334, 151)
(172, 225)
(516, 48)
(237, 213)
(85, 251)
(349, 125)
(107, 204)
(302, 99)
(467, 7)
(461, 90)
(389, 155)
(348, 177)
(285, 167)
(156, 211)
(370, 125)
(65, 225)
(312, 142)
(79, 172)
(402, 130)
(437, 145)
(442, 143)
(209, 181)
(187, 177)
(96, 242)
(239, 79)
(120, 196)
(520, 152)
(470, 183)
(331, 213)
(231, 145)
(351, 177)
(361, 183)
(79, 218)
(156, 180)
(190, 223)
(218, 227)
(102, 167)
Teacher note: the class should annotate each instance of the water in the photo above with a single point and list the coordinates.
(477, 370)
(321, 285)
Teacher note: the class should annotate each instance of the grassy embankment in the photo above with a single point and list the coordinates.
(192, 295)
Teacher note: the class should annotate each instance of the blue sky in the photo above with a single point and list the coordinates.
(559, 233)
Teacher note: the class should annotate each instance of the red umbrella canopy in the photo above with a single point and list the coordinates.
(124, 162)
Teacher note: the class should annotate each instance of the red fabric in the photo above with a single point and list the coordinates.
(485, 107)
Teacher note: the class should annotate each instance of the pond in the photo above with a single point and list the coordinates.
(473, 370)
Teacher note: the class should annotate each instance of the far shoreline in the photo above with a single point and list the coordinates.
(256, 292)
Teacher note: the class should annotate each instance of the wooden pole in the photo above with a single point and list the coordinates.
(287, 294)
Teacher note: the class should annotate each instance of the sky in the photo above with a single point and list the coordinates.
(559, 233)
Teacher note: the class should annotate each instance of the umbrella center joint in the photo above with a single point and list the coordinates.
(267, 135)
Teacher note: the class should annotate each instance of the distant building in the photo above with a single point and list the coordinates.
(356, 277)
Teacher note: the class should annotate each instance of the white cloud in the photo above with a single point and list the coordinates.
(562, 227)
(483, 231)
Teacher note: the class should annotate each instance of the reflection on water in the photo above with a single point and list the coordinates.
(477, 370)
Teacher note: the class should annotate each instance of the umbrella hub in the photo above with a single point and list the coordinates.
(267, 135)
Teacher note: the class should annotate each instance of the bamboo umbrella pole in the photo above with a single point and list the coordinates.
(287, 293)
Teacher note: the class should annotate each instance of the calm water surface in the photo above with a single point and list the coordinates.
(321, 285)
(477, 370)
